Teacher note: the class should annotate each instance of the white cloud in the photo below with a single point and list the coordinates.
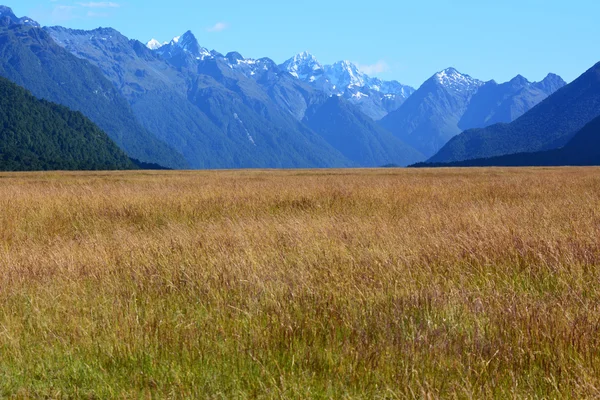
(374, 69)
(100, 4)
(218, 27)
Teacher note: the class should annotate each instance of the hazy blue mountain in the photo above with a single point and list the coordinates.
(503, 103)
(202, 103)
(550, 124)
(29, 57)
(374, 97)
(430, 117)
(220, 111)
(39, 135)
(357, 136)
(8, 18)
(582, 149)
(451, 102)
(239, 107)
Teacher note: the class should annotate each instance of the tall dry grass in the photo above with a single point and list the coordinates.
(301, 284)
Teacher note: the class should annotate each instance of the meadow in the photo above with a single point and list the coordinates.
(372, 284)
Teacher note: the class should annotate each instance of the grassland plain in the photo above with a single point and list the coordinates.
(478, 283)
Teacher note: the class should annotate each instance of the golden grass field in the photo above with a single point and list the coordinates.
(374, 284)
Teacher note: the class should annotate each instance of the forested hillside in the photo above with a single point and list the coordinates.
(40, 135)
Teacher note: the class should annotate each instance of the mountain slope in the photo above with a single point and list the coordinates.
(39, 135)
(156, 91)
(582, 149)
(430, 117)
(271, 135)
(29, 57)
(224, 111)
(503, 103)
(194, 100)
(550, 124)
(357, 136)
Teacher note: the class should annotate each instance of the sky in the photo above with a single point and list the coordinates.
(407, 41)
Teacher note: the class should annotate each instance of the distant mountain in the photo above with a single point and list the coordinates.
(29, 57)
(220, 111)
(210, 107)
(582, 149)
(550, 124)
(496, 103)
(357, 136)
(430, 117)
(182, 50)
(374, 97)
(451, 102)
(7, 18)
(39, 135)
(154, 44)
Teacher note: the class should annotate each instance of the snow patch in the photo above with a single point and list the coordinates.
(250, 138)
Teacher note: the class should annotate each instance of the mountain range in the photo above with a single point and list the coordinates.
(374, 97)
(549, 125)
(180, 105)
(31, 58)
(450, 102)
(225, 111)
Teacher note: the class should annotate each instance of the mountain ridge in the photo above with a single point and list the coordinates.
(450, 102)
(550, 124)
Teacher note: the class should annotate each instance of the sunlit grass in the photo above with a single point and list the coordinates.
(296, 284)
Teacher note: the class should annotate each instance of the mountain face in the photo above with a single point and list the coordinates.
(430, 117)
(550, 124)
(503, 103)
(210, 107)
(450, 102)
(7, 18)
(357, 136)
(582, 149)
(374, 97)
(39, 135)
(30, 58)
(219, 111)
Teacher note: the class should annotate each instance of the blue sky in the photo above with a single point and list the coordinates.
(394, 39)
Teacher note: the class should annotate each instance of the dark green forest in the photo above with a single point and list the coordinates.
(40, 135)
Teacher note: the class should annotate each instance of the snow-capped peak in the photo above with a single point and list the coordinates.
(451, 78)
(304, 66)
(189, 44)
(342, 78)
(154, 44)
(345, 74)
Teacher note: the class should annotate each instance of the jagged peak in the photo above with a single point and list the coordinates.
(6, 10)
(154, 44)
(520, 80)
(234, 56)
(188, 43)
(303, 66)
(302, 58)
(9, 18)
(451, 77)
(345, 64)
(553, 78)
(305, 55)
